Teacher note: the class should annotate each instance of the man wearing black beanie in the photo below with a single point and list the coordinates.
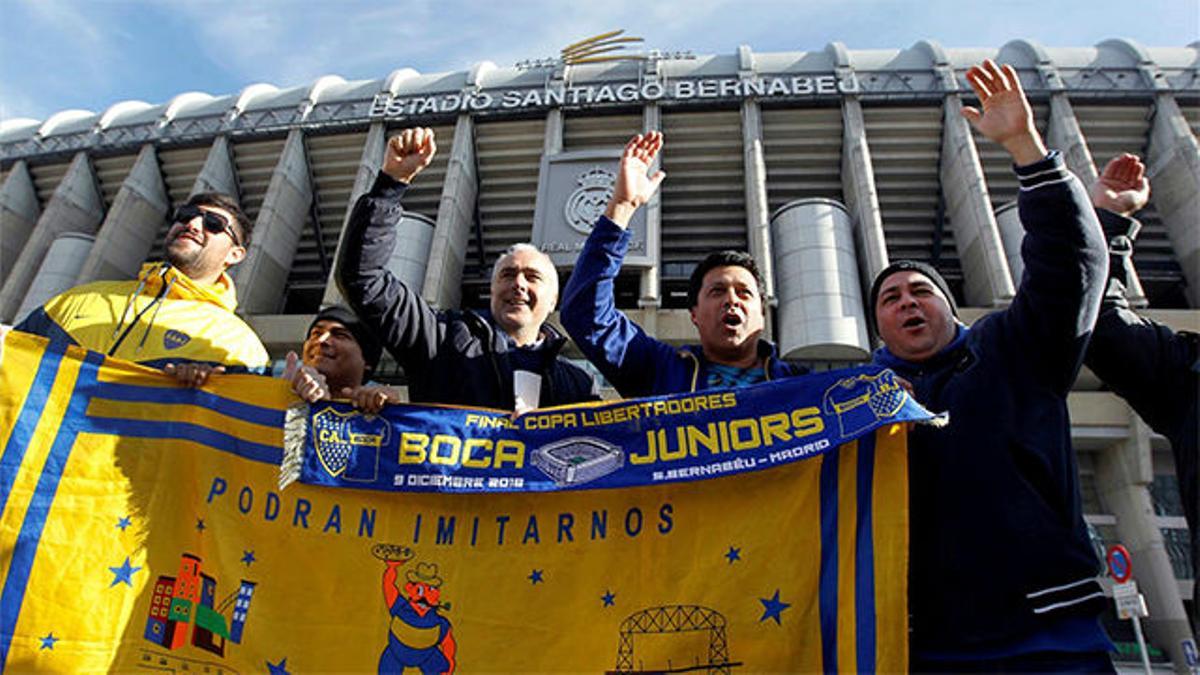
(338, 356)
(1002, 572)
(923, 274)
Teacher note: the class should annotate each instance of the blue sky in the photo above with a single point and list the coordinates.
(89, 54)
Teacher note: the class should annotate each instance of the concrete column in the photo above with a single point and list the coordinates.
(758, 212)
(1123, 476)
(57, 272)
(19, 211)
(219, 173)
(1063, 134)
(127, 234)
(987, 282)
(368, 168)
(77, 206)
(862, 199)
(552, 140)
(455, 220)
(1174, 169)
(858, 177)
(261, 278)
(649, 291)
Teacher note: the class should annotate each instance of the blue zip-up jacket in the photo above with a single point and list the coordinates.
(451, 356)
(635, 363)
(999, 548)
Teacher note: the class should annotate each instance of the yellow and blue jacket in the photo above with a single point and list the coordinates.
(161, 317)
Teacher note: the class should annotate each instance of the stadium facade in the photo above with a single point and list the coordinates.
(824, 164)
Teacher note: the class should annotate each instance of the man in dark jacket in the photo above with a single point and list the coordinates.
(1154, 368)
(725, 294)
(337, 359)
(506, 359)
(1002, 574)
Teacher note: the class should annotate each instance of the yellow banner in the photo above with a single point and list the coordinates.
(142, 529)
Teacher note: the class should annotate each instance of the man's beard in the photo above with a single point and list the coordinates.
(186, 261)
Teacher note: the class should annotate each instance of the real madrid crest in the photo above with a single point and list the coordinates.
(587, 202)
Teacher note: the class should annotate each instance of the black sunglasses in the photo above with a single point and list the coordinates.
(213, 222)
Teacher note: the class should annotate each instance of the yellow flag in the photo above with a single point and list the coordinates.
(142, 527)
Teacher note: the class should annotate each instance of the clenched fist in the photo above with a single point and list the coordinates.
(408, 153)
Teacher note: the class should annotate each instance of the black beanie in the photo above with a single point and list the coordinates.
(907, 266)
(367, 341)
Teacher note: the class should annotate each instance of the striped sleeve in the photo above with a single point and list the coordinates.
(1049, 170)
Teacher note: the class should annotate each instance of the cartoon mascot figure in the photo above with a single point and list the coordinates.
(419, 635)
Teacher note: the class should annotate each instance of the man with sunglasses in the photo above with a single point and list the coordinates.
(178, 314)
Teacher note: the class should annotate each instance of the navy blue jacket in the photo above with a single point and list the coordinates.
(456, 357)
(1157, 370)
(635, 363)
(999, 548)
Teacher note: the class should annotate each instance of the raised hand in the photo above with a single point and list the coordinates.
(1007, 117)
(306, 382)
(194, 375)
(1123, 187)
(408, 153)
(634, 185)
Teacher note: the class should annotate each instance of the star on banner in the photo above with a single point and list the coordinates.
(123, 574)
(773, 608)
(248, 557)
(734, 554)
(535, 577)
(199, 524)
(608, 598)
(48, 641)
(278, 668)
(123, 523)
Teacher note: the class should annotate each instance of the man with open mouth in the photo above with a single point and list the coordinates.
(725, 297)
(1002, 572)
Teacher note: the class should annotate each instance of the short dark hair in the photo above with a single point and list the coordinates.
(225, 202)
(722, 259)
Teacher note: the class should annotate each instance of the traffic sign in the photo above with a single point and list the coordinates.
(1120, 565)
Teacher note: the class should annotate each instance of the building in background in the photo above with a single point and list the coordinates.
(824, 164)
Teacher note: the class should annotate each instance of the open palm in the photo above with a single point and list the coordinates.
(1123, 187)
(634, 185)
(1007, 117)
